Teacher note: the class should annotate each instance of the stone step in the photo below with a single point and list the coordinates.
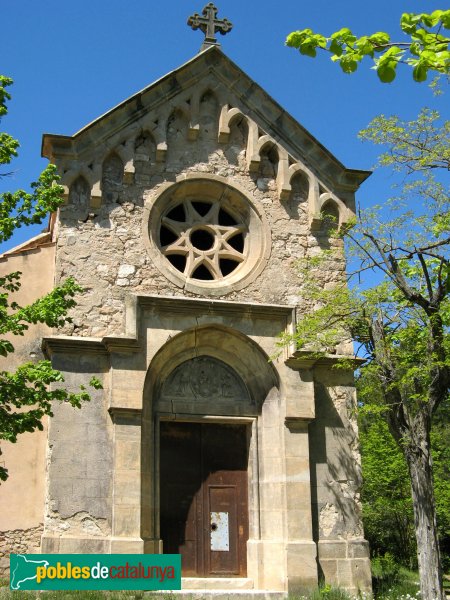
(223, 594)
(221, 588)
(214, 583)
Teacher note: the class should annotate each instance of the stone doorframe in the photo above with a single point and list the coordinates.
(252, 473)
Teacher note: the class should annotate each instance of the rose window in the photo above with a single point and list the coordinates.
(206, 234)
(203, 240)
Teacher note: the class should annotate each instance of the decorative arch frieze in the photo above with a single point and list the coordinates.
(189, 108)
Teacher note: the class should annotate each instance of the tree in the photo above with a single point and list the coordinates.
(26, 395)
(402, 323)
(426, 49)
(386, 493)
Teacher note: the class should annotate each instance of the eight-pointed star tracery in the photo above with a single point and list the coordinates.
(202, 239)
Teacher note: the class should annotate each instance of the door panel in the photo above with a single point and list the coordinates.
(222, 507)
(180, 476)
(203, 470)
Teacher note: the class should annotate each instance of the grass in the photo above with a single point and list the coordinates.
(393, 585)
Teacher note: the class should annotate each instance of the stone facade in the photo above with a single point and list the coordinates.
(187, 207)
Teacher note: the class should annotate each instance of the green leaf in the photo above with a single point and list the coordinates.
(336, 47)
(415, 48)
(420, 72)
(348, 63)
(445, 19)
(380, 38)
(386, 72)
(365, 46)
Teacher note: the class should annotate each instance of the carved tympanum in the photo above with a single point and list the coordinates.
(204, 384)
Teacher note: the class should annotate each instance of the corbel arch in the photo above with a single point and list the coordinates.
(187, 111)
(313, 186)
(72, 174)
(112, 174)
(158, 129)
(79, 187)
(330, 201)
(92, 178)
(207, 113)
(125, 151)
(146, 138)
(226, 118)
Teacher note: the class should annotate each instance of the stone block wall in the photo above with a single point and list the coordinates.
(113, 176)
(18, 541)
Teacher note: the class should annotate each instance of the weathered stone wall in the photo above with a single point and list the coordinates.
(118, 174)
(104, 248)
(336, 481)
(80, 463)
(18, 541)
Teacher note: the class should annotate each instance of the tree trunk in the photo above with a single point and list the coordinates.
(418, 457)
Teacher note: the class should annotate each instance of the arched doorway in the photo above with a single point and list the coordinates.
(210, 393)
(203, 467)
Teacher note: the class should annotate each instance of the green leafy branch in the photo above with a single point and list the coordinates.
(24, 208)
(51, 309)
(30, 387)
(26, 395)
(427, 49)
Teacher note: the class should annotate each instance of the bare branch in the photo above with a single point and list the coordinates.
(426, 274)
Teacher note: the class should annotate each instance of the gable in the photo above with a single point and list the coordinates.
(178, 109)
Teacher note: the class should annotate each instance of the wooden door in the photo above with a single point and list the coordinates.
(203, 499)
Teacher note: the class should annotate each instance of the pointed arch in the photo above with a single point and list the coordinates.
(145, 146)
(333, 207)
(269, 157)
(177, 128)
(79, 192)
(208, 115)
(112, 176)
(313, 190)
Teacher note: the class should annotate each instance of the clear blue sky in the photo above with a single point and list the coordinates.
(73, 61)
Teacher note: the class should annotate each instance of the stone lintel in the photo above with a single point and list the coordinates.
(121, 344)
(125, 414)
(298, 422)
(67, 344)
(303, 359)
(88, 345)
(182, 305)
(205, 418)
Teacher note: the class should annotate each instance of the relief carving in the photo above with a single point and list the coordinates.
(203, 383)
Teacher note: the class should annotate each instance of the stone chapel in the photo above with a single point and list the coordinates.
(186, 209)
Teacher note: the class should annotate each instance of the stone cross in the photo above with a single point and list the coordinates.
(209, 25)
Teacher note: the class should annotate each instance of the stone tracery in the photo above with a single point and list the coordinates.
(202, 240)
